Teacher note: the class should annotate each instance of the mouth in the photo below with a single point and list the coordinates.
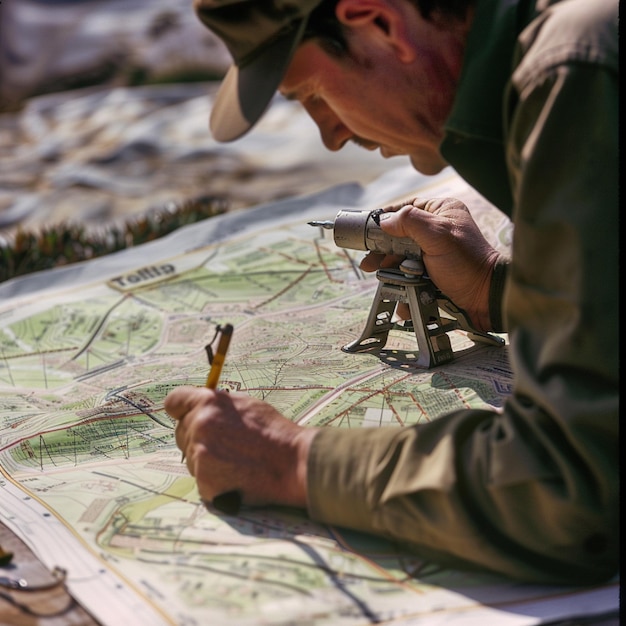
(387, 153)
(364, 143)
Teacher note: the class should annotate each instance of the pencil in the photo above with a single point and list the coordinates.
(229, 502)
(218, 361)
(220, 356)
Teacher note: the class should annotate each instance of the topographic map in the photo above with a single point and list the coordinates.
(91, 476)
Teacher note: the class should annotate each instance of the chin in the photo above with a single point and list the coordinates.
(428, 164)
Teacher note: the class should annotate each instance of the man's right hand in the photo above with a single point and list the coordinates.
(458, 258)
(232, 441)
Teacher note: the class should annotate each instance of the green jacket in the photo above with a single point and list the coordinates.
(532, 491)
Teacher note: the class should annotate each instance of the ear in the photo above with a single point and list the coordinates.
(381, 19)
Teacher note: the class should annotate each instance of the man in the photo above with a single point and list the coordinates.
(521, 98)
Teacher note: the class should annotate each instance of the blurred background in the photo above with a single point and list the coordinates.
(104, 138)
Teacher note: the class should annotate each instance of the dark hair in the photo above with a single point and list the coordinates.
(448, 8)
(323, 23)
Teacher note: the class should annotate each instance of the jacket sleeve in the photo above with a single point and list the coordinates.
(532, 491)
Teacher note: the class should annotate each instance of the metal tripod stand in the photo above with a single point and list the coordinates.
(410, 286)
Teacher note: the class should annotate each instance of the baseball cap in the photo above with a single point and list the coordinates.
(261, 36)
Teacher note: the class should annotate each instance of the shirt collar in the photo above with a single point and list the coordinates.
(477, 109)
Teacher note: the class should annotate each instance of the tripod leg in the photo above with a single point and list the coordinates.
(374, 336)
(432, 339)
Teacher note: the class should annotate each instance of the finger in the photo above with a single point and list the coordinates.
(403, 311)
(180, 436)
(391, 260)
(440, 206)
(183, 399)
(431, 205)
(194, 452)
(371, 262)
(406, 222)
(400, 205)
(374, 261)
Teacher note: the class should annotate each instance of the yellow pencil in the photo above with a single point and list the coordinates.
(229, 502)
(218, 361)
(220, 356)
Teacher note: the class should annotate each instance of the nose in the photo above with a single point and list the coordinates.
(334, 133)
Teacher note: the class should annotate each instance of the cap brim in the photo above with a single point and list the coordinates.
(247, 90)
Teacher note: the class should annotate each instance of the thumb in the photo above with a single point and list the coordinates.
(408, 221)
(183, 399)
